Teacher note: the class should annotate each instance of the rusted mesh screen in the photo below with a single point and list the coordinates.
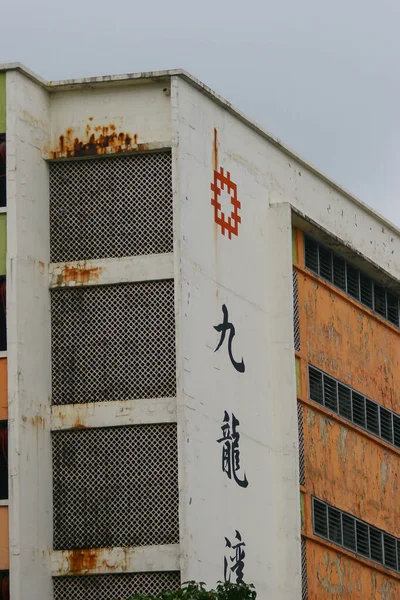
(113, 342)
(302, 474)
(113, 587)
(304, 580)
(115, 486)
(110, 207)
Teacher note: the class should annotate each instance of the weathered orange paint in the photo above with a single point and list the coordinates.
(3, 390)
(347, 342)
(79, 274)
(351, 472)
(336, 576)
(4, 551)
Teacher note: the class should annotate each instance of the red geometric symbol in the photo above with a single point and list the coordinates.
(231, 223)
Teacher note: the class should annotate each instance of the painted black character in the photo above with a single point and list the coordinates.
(223, 328)
(235, 562)
(230, 450)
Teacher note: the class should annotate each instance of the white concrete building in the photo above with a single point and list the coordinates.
(152, 409)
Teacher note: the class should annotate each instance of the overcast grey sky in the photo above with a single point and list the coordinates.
(322, 76)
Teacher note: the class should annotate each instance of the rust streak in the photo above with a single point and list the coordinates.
(79, 275)
(81, 561)
(38, 420)
(215, 150)
(78, 424)
(100, 139)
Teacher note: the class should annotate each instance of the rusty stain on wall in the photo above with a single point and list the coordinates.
(38, 421)
(215, 150)
(78, 275)
(97, 140)
(81, 561)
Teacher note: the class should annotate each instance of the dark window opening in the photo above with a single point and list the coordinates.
(311, 254)
(358, 409)
(362, 542)
(353, 282)
(349, 532)
(3, 460)
(3, 190)
(320, 518)
(4, 585)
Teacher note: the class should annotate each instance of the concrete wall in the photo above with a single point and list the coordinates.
(109, 120)
(29, 385)
(250, 274)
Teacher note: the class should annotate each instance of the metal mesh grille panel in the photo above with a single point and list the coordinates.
(302, 473)
(296, 319)
(113, 587)
(115, 486)
(304, 580)
(113, 342)
(109, 207)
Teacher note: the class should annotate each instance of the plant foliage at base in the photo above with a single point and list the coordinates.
(192, 590)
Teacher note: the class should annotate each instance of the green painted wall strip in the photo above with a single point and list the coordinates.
(294, 246)
(2, 102)
(298, 386)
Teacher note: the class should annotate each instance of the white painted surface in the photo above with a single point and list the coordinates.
(141, 111)
(28, 333)
(251, 274)
(108, 271)
(134, 559)
(114, 414)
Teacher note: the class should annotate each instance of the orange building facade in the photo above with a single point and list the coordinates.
(347, 363)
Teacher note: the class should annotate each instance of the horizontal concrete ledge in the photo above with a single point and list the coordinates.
(114, 413)
(123, 150)
(109, 271)
(135, 559)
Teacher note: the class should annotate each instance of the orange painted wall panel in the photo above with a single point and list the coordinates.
(334, 576)
(3, 389)
(4, 553)
(349, 344)
(351, 472)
